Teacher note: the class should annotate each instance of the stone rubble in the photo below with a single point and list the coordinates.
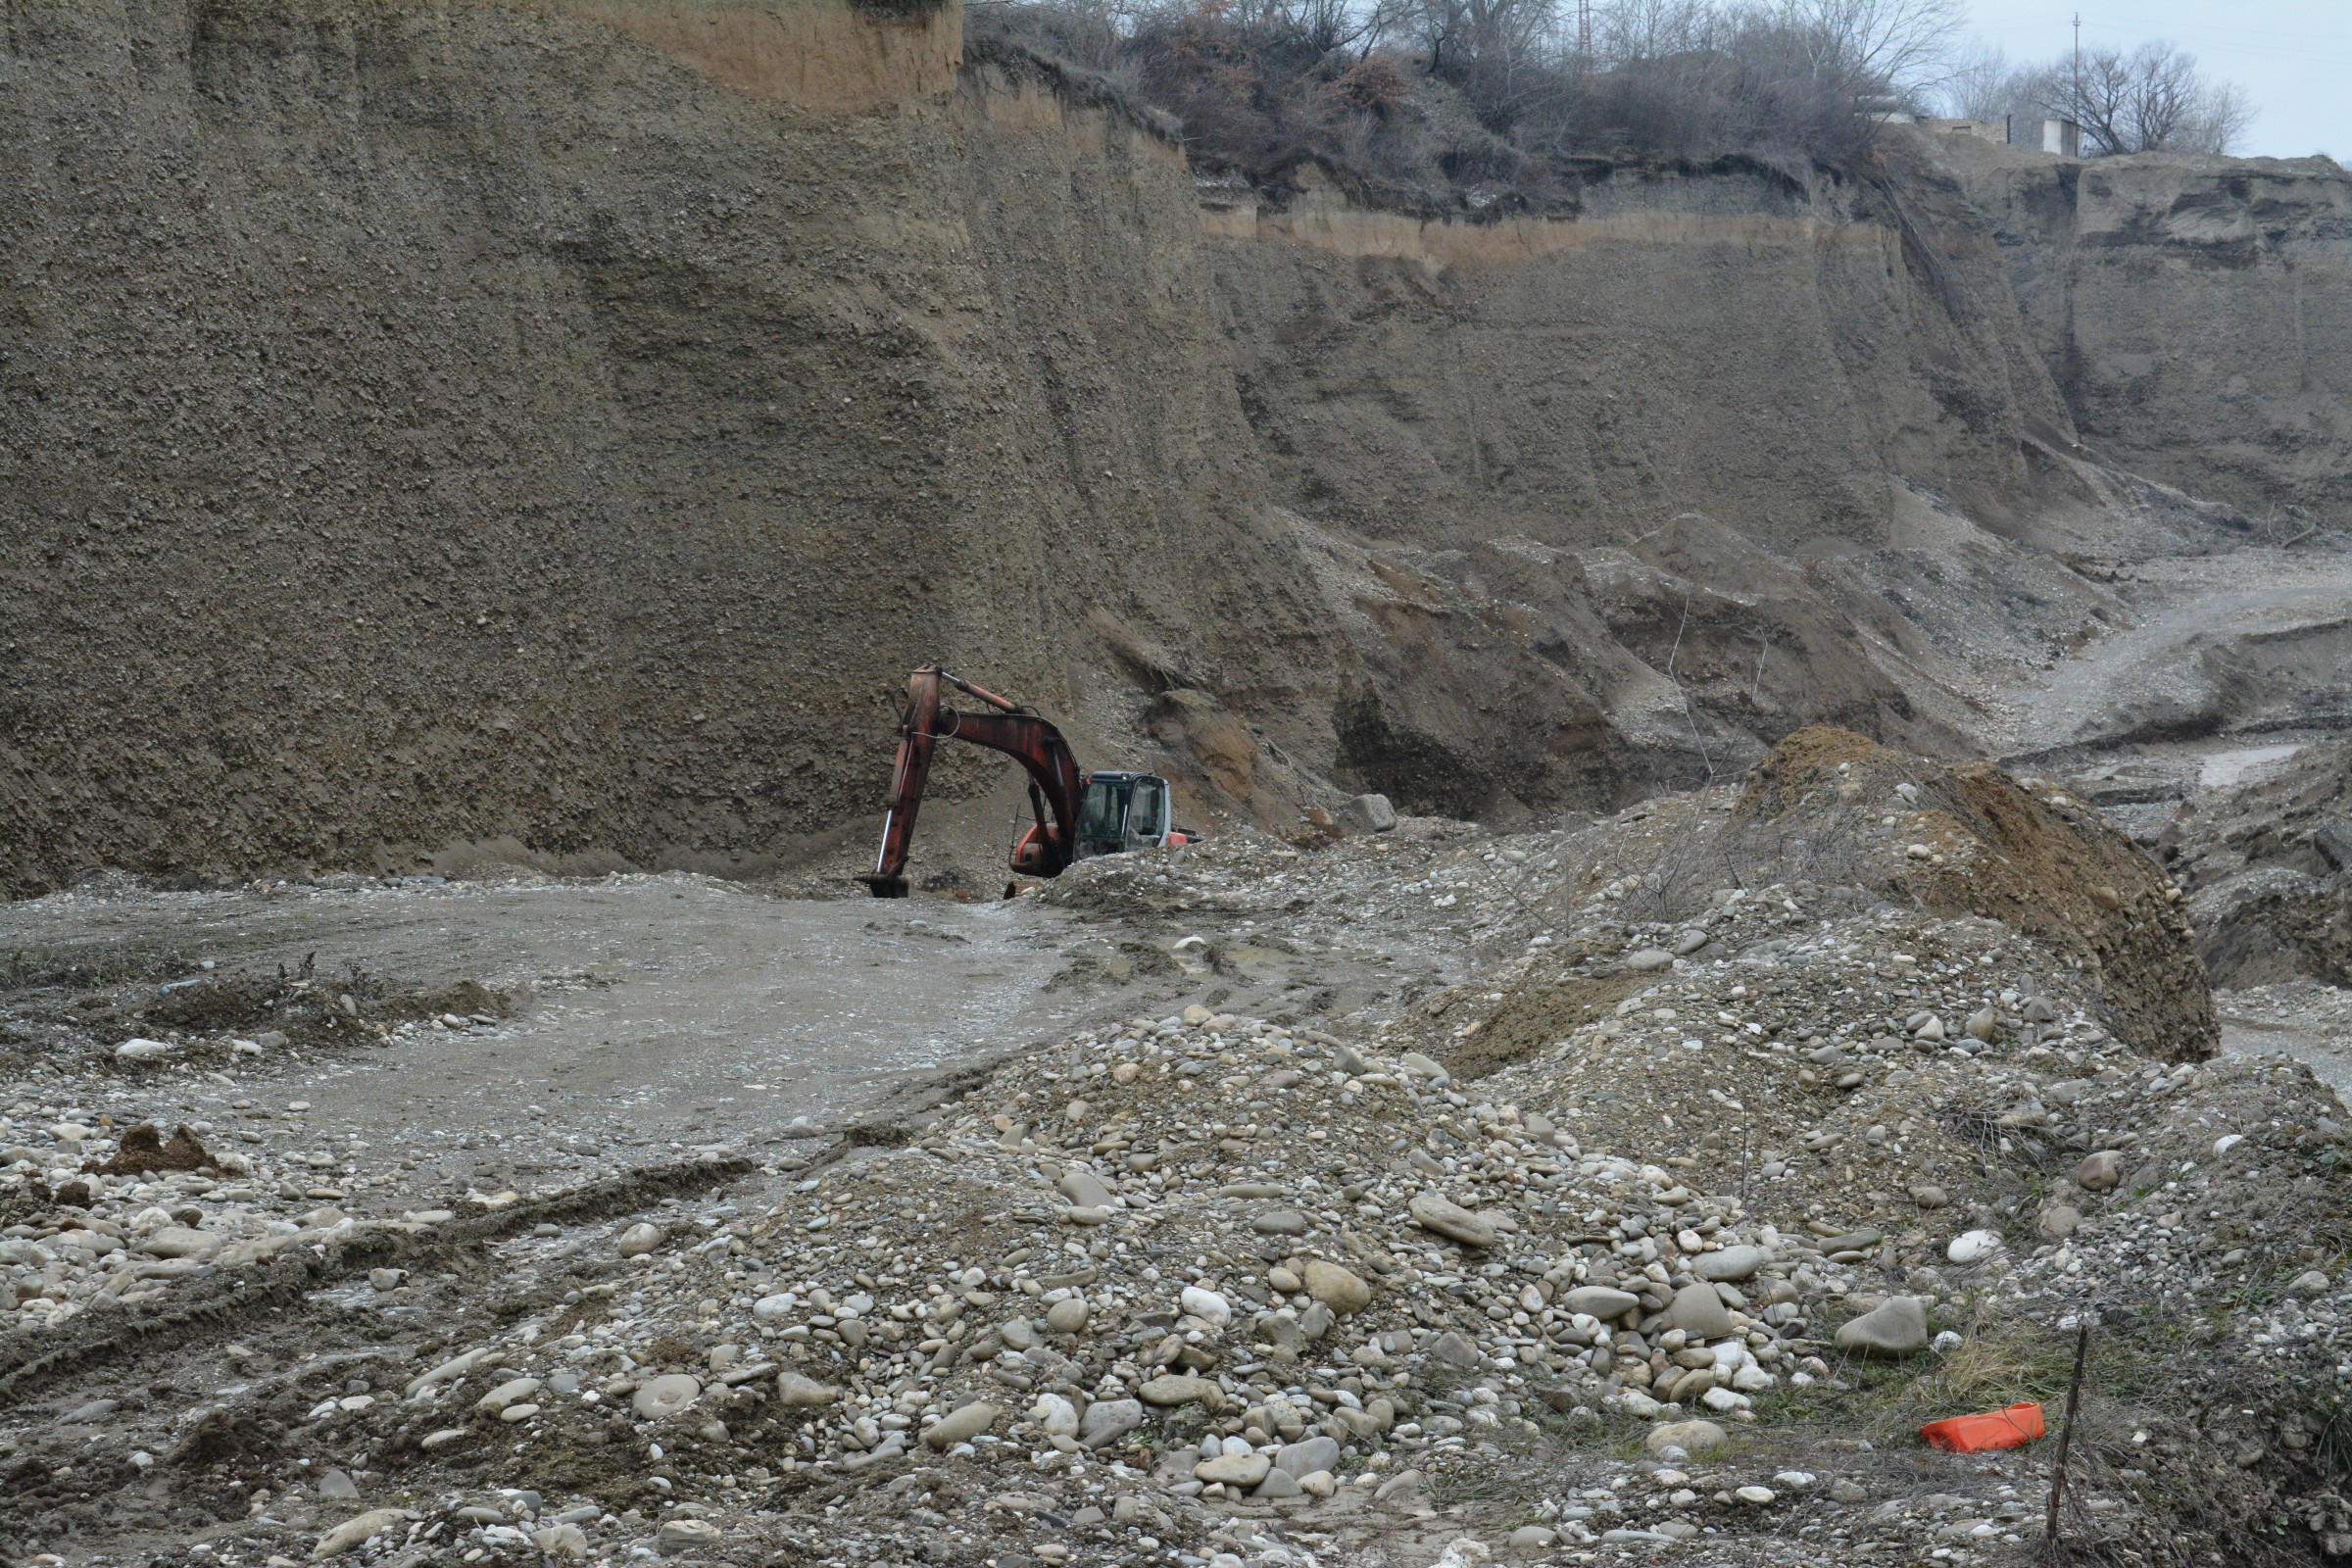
(1639, 1229)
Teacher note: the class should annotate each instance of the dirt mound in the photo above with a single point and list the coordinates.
(1804, 760)
(1538, 1011)
(144, 1148)
(1971, 840)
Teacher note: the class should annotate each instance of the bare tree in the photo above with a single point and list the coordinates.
(1905, 44)
(1491, 34)
(2153, 99)
(1320, 27)
(1652, 29)
(1506, 56)
(1982, 85)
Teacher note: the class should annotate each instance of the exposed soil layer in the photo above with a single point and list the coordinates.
(2194, 312)
(2282, 930)
(2270, 867)
(536, 436)
(1976, 841)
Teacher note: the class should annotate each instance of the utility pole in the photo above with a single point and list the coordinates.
(2073, 97)
(1584, 34)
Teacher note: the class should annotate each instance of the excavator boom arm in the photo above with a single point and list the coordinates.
(1025, 737)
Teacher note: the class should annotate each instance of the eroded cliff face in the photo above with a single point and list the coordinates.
(1648, 487)
(427, 425)
(2196, 313)
(554, 427)
(1782, 357)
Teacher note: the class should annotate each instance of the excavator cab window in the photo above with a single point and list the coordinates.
(1101, 817)
(1147, 812)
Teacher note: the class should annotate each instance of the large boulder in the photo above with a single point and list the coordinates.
(1306, 1457)
(1433, 1211)
(1107, 1420)
(1177, 1388)
(1693, 1438)
(1233, 1469)
(1342, 1290)
(1699, 1311)
(2100, 1172)
(794, 1391)
(1731, 1263)
(961, 1425)
(1892, 1330)
(1603, 1302)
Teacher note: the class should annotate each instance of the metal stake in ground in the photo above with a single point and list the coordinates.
(2066, 1437)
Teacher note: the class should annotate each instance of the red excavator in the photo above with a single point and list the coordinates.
(1078, 814)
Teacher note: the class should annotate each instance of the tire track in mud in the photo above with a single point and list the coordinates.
(30, 1360)
(286, 1281)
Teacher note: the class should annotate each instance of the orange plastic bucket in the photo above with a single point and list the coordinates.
(1996, 1429)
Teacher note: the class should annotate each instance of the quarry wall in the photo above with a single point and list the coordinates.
(552, 428)
(435, 426)
(2196, 314)
(1721, 340)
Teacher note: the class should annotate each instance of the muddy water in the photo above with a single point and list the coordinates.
(658, 1011)
(2237, 765)
(2329, 1060)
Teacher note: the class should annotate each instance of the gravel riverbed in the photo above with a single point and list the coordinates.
(1648, 1224)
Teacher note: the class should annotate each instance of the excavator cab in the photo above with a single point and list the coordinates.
(1121, 811)
(1116, 813)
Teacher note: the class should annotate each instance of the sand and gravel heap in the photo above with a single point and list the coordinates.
(1657, 1233)
(1207, 1285)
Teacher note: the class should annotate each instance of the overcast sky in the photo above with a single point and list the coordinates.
(2294, 57)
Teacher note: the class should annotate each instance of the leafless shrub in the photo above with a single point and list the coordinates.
(1496, 99)
(1085, 36)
